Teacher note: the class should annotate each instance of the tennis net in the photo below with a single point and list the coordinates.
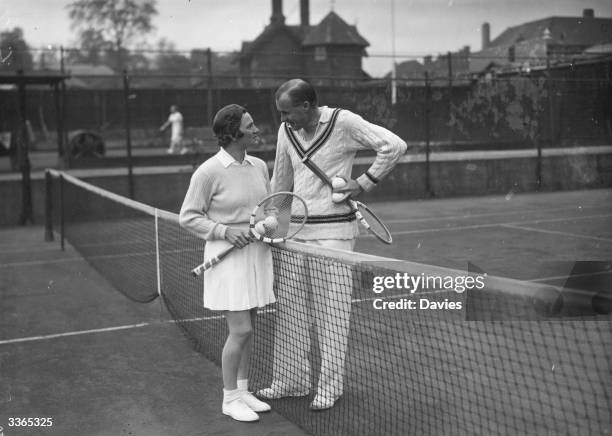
(511, 358)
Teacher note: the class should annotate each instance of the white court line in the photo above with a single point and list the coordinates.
(75, 333)
(101, 256)
(490, 214)
(555, 232)
(482, 226)
(41, 262)
(569, 275)
(104, 330)
(35, 247)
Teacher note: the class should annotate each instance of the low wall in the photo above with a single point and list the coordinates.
(494, 172)
(451, 174)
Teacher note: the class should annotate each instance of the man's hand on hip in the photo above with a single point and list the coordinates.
(351, 187)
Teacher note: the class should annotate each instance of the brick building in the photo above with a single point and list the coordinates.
(557, 40)
(327, 52)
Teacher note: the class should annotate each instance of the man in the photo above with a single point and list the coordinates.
(330, 138)
(176, 136)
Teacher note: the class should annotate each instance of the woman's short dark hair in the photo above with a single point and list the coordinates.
(226, 124)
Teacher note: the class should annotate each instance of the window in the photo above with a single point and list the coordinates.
(320, 54)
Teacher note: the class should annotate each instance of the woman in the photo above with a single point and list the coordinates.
(222, 194)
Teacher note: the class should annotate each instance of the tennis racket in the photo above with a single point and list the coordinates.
(370, 221)
(364, 214)
(283, 215)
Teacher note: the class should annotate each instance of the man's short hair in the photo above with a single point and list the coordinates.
(226, 124)
(298, 91)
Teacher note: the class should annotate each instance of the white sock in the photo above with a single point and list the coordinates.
(242, 385)
(231, 395)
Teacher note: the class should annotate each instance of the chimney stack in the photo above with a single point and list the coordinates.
(588, 13)
(511, 54)
(304, 13)
(486, 35)
(277, 17)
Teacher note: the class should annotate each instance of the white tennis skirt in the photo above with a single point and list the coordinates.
(241, 281)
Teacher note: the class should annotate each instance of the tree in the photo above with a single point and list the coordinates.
(93, 48)
(169, 60)
(117, 22)
(14, 51)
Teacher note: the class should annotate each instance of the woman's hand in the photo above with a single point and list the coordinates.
(238, 238)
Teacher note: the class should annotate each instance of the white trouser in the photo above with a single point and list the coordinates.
(311, 298)
(176, 143)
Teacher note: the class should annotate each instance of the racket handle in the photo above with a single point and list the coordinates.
(198, 270)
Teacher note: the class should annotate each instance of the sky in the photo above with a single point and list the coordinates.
(418, 27)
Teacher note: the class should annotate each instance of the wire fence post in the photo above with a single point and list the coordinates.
(128, 137)
(62, 207)
(24, 155)
(62, 129)
(450, 97)
(48, 206)
(428, 191)
(550, 92)
(59, 121)
(209, 96)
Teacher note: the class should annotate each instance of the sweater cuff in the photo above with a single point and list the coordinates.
(218, 231)
(367, 181)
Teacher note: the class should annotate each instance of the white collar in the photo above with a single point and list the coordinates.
(227, 159)
(326, 114)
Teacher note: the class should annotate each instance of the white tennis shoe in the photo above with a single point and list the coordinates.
(281, 390)
(240, 411)
(255, 404)
(323, 402)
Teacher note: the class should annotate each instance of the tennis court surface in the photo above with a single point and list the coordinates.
(75, 350)
(524, 356)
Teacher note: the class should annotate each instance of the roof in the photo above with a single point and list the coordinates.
(409, 69)
(599, 49)
(532, 41)
(32, 77)
(90, 70)
(271, 31)
(489, 58)
(333, 30)
(559, 30)
(93, 76)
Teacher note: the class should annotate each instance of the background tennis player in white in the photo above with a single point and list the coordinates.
(331, 138)
(222, 193)
(175, 120)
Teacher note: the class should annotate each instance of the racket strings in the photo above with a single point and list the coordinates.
(284, 214)
(374, 224)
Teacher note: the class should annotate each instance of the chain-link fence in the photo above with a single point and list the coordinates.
(547, 105)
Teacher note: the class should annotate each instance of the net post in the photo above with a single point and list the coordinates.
(61, 195)
(48, 206)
